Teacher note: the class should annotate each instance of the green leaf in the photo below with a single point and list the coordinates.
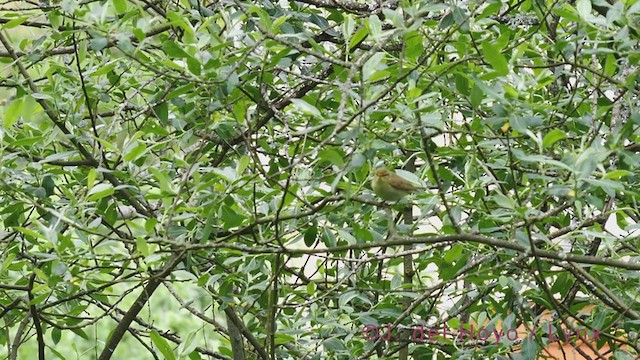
(414, 45)
(91, 177)
(552, 137)
(460, 17)
(462, 84)
(611, 65)
(345, 235)
(134, 152)
(57, 353)
(174, 50)
(38, 299)
(104, 69)
(180, 90)
(492, 8)
(142, 246)
(243, 162)
(55, 19)
(332, 156)
(14, 22)
(529, 350)
(164, 182)
(609, 186)
(540, 159)
(162, 345)
(617, 174)
(584, 8)
(310, 235)
(346, 297)
(358, 36)
(99, 43)
(453, 254)
(347, 25)
(187, 346)
(279, 21)
(375, 26)
(495, 58)
(328, 238)
(150, 224)
(12, 112)
(357, 160)
(311, 288)
(306, 108)
(100, 191)
(81, 333)
(29, 232)
(372, 64)
(49, 184)
(333, 344)
(281, 338)
(162, 110)
(446, 21)
(476, 96)
(504, 201)
(211, 217)
(228, 173)
(395, 16)
(194, 65)
(230, 218)
(29, 108)
(56, 334)
(120, 6)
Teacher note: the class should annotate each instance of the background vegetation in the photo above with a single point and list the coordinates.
(189, 179)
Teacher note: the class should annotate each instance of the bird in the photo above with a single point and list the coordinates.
(390, 186)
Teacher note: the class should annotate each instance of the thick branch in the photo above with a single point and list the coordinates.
(142, 299)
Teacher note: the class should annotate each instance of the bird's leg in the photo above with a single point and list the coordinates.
(391, 226)
(390, 221)
(391, 232)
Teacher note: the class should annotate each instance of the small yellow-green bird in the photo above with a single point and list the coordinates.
(390, 186)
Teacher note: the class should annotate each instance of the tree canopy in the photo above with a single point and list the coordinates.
(192, 180)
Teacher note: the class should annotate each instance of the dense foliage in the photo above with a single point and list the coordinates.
(182, 179)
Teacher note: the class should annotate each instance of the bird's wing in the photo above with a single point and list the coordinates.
(402, 184)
